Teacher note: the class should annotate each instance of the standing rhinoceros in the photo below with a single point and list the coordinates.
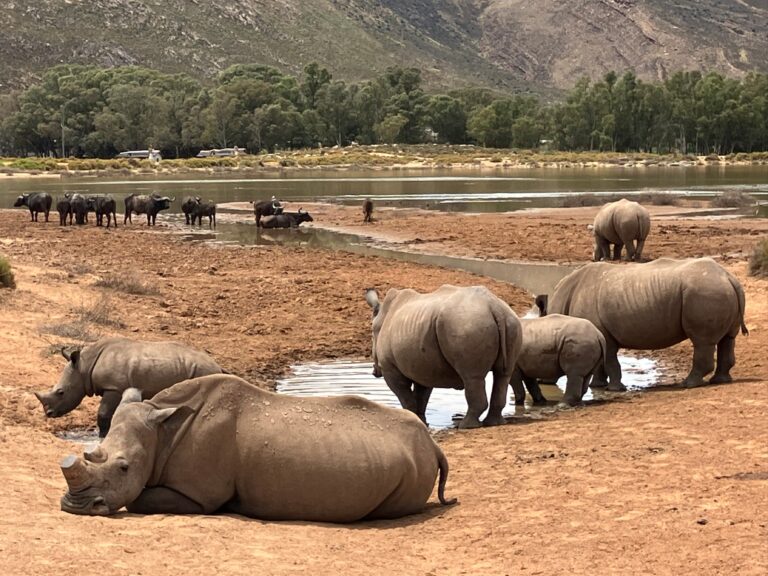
(217, 443)
(621, 223)
(655, 305)
(146, 204)
(554, 346)
(449, 338)
(112, 365)
(36, 202)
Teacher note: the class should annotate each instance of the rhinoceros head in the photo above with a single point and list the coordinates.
(372, 298)
(114, 473)
(69, 392)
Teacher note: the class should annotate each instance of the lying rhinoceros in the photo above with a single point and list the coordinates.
(554, 346)
(217, 443)
(656, 305)
(449, 338)
(112, 365)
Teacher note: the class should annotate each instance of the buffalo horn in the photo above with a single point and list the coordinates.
(75, 472)
(95, 454)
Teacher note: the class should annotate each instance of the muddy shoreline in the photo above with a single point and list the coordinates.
(666, 482)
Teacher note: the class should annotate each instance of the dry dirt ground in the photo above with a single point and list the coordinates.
(666, 482)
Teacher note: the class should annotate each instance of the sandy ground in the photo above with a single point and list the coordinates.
(666, 482)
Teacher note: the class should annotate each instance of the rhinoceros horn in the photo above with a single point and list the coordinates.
(95, 454)
(75, 472)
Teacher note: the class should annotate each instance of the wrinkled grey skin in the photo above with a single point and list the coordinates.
(64, 208)
(80, 208)
(204, 208)
(621, 223)
(36, 202)
(217, 443)
(286, 220)
(188, 206)
(144, 204)
(656, 305)
(103, 204)
(112, 365)
(263, 208)
(449, 338)
(367, 210)
(555, 346)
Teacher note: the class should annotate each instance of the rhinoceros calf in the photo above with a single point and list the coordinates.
(217, 443)
(656, 305)
(112, 365)
(554, 346)
(449, 338)
(621, 223)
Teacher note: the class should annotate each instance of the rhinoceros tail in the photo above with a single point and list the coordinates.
(742, 303)
(443, 463)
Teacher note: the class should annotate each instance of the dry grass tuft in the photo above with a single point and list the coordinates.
(758, 261)
(128, 283)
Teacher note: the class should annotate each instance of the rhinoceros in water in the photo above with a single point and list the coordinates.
(218, 443)
(449, 338)
(112, 365)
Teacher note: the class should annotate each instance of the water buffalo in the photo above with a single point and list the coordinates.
(36, 202)
(621, 223)
(367, 210)
(449, 338)
(218, 443)
(554, 346)
(266, 208)
(188, 206)
(656, 305)
(80, 208)
(64, 208)
(103, 204)
(286, 219)
(112, 365)
(146, 204)
(204, 208)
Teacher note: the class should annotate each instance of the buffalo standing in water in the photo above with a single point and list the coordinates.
(204, 208)
(144, 204)
(188, 207)
(263, 208)
(36, 202)
(218, 443)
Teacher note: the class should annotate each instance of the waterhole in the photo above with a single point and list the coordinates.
(446, 406)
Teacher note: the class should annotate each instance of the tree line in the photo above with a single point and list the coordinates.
(88, 111)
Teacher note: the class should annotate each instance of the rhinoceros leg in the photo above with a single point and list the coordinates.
(477, 402)
(639, 250)
(422, 394)
(162, 500)
(726, 359)
(703, 364)
(498, 398)
(612, 367)
(532, 384)
(617, 251)
(573, 389)
(516, 382)
(402, 388)
(109, 403)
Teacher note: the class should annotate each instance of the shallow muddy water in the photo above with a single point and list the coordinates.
(446, 406)
(484, 190)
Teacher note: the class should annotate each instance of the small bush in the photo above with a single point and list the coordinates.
(758, 262)
(732, 199)
(77, 330)
(99, 313)
(128, 283)
(659, 199)
(7, 279)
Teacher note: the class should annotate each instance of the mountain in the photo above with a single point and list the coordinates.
(540, 45)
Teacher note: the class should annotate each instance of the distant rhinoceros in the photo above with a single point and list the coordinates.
(656, 305)
(449, 338)
(150, 205)
(112, 365)
(36, 202)
(286, 219)
(217, 443)
(554, 346)
(621, 223)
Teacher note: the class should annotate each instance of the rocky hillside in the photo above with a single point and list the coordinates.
(521, 44)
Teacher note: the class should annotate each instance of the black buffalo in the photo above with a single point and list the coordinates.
(204, 208)
(64, 208)
(188, 207)
(263, 208)
(367, 210)
(143, 204)
(103, 204)
(80, 208)
(286, 219)
(36, 202)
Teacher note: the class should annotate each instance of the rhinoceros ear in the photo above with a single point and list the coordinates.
(157, 417)
(74, 357)
(65, 354)
(541, 302)
(372, 297)
(590, 227)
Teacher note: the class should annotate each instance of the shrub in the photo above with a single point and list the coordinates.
(77, 330)
(732, 199)
(99, 312)
(7, 279)
(129, 283)
(758, 262)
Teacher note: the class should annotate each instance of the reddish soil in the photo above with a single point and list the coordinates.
(667, 482)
